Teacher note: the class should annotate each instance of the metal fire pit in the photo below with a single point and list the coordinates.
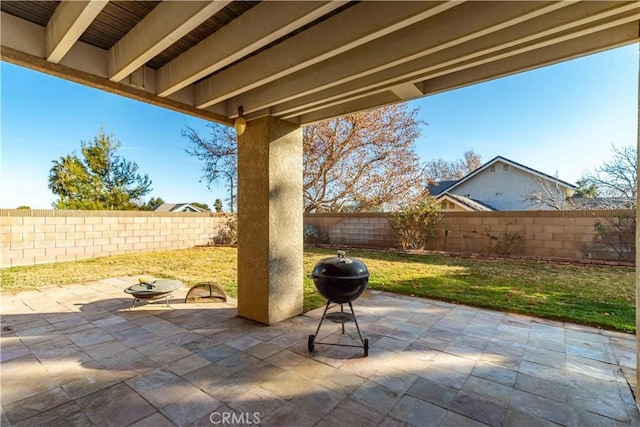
(340, 280)
(153, 289)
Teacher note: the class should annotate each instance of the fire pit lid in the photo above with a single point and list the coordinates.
(340, 267)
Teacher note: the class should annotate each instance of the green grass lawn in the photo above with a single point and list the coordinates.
(592, 295)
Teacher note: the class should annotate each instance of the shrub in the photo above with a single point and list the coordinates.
(505, 243)
(619, 234)
(311, 234)
(228, 233)
(416, 225)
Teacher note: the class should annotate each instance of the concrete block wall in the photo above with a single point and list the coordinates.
(553, 234)
(43, 236)
(545, 234)
(354, 229)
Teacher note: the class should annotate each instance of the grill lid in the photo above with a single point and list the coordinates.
(340, 267)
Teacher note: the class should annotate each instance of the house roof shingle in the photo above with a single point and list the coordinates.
(437, 188)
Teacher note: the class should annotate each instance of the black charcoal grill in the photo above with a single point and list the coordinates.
(340, 280)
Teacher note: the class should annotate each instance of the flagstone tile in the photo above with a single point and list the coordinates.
(117, 405)
(68, 414)
(188, 410)
(258, 401)
(429, 363)
(453, 419)
(479, 408)
(377, 396)
(187, 364)
(263, 350)
(154, 420)
(550, 389)
(317, 400)
(418, 412)
(355, 412)
(32, 406)
(541, 407)
(217, 352)
(290, 415)
(433, 392)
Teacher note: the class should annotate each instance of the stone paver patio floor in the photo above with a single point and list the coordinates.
(76, 355)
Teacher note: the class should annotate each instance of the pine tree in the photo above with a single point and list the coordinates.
(99, 179)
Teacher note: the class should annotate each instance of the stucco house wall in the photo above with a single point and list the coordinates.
(501, 186)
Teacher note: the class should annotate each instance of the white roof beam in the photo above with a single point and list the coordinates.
(68, 23)
(23, 44)
(21, 35)
(528, 60)
(329, 38)
(163, 26)
(489, 48)
(524, 61)
(364, 92)
(363, 104)
(407, 90)
(244, 35)
(454, 27)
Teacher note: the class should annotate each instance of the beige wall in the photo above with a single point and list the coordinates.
(42, 236)
(553, 234)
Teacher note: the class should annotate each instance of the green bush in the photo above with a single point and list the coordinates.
(416, 225)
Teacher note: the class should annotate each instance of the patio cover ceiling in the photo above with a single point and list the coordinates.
(301, 61)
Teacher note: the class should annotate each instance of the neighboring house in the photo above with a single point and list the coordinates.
(178, 207)
(500, 184)
(455, 203)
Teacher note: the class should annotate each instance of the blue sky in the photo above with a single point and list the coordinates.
(562, 118)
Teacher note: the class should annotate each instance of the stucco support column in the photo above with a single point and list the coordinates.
(270, 221)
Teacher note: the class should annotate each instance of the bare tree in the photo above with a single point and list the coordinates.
(617, 178)
(219, 153)
(362, 161)
(550, 194)
(439, 170)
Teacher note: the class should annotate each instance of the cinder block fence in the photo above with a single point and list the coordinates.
(42, 236)
(543, 234)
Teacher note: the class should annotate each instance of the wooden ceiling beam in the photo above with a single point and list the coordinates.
(329, 38)
(524, 61)
(548, 30)
(444, 32)
(243, 36)
(163, 26)
(68, 23)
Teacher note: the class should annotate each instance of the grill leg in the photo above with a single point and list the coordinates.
(356, 322)
(322, 318)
